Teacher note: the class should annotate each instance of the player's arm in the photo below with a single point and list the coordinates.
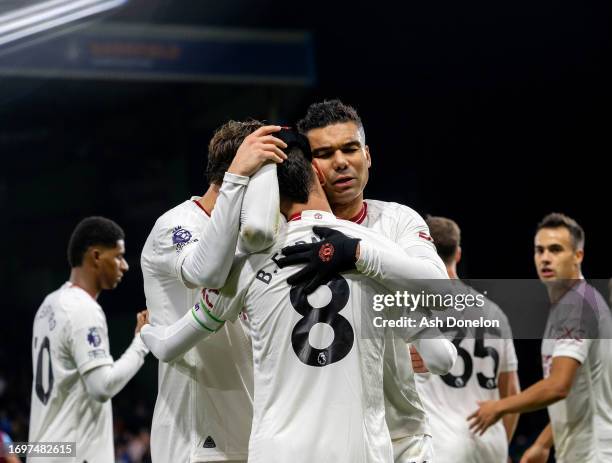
(379, 259)
(167, 342)
(207, 316)
(393, 267)
(207, 263)
(438, 354)
(105, 381)
(541, 394)
(260, 216)
(508, 385)
(540, 450)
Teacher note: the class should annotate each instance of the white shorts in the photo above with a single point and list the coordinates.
(413, 449)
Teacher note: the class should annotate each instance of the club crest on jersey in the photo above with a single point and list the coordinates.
(326, 252)
(93, 337)
(322, 358)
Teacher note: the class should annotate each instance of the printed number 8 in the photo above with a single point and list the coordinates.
(343, 331)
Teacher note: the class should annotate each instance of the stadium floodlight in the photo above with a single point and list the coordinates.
(30, 20)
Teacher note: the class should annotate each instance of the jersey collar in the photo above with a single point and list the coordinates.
(361, 215)
(195, 200)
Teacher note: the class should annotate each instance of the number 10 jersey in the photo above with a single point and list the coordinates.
(70, 338)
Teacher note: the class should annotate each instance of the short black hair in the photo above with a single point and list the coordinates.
(92, 231)
(295, 176)
(329, 112)
(223, 147)
(446, 235)
(556, 220)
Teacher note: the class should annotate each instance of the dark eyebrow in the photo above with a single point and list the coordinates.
(316, 152)
(352, 143)
(323, 149)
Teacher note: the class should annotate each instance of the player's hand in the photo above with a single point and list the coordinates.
(486, 416)
(535, 454)
(257, 149)
(336, 253)
(418, 365)
(142, 318)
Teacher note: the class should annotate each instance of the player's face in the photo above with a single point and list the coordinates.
(555, 257)
(112, 265)
(339, 152)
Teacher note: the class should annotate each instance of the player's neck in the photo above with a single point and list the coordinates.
(86, 281)
(317, 201)
(349, 210)
(209, 199)
(452, 272)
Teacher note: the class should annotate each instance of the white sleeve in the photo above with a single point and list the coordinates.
(414, 238)
(105, 381)
(210, 260)
(88, 339)
(438, 354)
(394, 268)
(508, 361)
(578, 349)
(228, 302)
(169, 342)
(260, 215)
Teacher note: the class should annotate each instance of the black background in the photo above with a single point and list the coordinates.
(490, 113)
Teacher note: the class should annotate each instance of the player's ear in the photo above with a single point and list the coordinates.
(368, 157)
(318, 172)
(458, 253)
(94, 255)
(578, 256)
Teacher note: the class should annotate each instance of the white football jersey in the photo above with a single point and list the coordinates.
(579, 326)
(204, 400)
(70, 338)
(405, 413)
(482, 355)
(318, 359)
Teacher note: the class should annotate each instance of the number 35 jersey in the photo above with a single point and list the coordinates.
(318, 360)
(70, 338)
(482, 355)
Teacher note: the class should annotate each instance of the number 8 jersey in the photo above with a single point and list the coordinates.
(318, 361)
(70, 338)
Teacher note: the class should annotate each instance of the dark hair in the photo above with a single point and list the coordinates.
(295, 176)
(327, 113)
(556, 220)
(446, 235)
(223, 147)
(90, 232)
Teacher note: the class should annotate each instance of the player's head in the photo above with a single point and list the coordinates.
(97, 243)
(447, 238)
(223, 147)
(339, 149)
(296, 175)
(559, 248)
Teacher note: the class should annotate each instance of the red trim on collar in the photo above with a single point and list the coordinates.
(361, 215)
(202, 207)
(296, 216)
